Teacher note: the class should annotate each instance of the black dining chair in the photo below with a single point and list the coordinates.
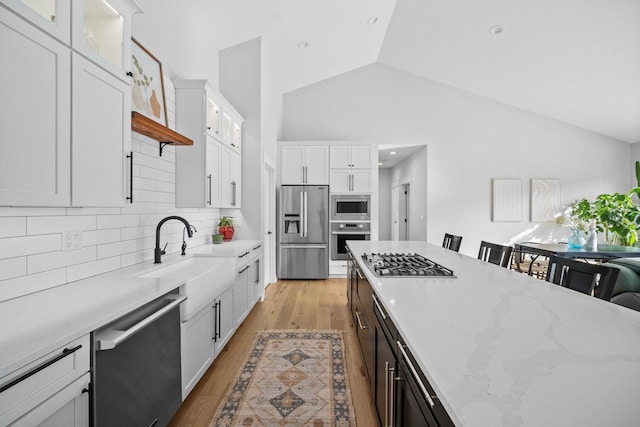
(452, 242)
(495, 254)
(592, 279)
(534, 264)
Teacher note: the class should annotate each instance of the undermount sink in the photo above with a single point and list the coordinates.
(205, 279)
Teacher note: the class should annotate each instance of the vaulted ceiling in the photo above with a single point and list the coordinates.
(577, 61)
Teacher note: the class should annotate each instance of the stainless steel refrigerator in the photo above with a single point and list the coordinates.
(303, 232)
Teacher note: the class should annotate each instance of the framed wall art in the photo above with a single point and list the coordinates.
(507, 200)
(545, 199)
(147, 91)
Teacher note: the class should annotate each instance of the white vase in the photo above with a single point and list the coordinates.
(592, 241)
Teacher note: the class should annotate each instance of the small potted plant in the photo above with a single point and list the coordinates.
(225, 227)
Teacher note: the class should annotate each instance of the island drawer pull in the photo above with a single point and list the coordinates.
(65, 353)
(375, 301)
(360, 325)
(415, 375)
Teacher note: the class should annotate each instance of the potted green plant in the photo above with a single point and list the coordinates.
(225, 227)
(615, 214)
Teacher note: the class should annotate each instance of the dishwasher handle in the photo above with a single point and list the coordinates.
(112, 338)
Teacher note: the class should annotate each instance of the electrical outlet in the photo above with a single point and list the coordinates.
(237, 222)
(71, 240)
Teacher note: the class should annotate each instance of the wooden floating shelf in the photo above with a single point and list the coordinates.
(148, 127)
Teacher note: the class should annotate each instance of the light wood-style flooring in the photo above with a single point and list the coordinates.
(288, 304)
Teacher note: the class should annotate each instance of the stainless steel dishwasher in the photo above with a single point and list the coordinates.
(136, 366)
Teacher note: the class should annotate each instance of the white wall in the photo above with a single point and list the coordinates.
(384, 204)
(240, 84)
(31, 258)
(413, 171)
(470, 140)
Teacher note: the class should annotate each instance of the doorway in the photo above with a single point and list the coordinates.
(404, 206)
(269, 224)
(401, 210)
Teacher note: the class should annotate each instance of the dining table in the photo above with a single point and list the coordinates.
(602, 251)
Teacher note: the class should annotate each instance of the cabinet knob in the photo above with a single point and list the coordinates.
(129, 73)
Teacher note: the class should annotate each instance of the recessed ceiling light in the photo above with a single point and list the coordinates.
(372, 20)
(393, 153)
(303, 44)
(379, 163)
(496, 29)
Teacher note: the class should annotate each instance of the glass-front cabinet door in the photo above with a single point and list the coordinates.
(103, 32)
(52, 16)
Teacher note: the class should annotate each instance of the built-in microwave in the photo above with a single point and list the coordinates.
(351, 207)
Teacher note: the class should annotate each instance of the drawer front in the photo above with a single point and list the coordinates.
(33, 384)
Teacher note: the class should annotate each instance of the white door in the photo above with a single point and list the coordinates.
(405, 211)
(395, 212)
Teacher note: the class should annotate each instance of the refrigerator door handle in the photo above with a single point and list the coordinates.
(302, 214)
(306, 234)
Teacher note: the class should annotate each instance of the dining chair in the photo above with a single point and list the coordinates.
(495, 254)
(534, 264)
(592, 279)
(452, 242)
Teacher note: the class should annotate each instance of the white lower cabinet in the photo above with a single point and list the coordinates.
(225, 324)
(241, 295)
(203, 336)
(197, 348)
(51, 391)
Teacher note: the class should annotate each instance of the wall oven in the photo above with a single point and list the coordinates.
(341, 232)
(350, 207)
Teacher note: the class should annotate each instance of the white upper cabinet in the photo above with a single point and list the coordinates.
(52, 16)
(66, 149)
(351, 157)
(302, 164)
(206, 173)
(101, 135)
(102, 32)
(35, 116)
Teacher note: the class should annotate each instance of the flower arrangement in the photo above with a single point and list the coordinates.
(573, 217)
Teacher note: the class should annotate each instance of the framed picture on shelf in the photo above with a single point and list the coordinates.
(147, 90)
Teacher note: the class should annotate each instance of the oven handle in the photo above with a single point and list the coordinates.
(351, 232)
(115, 337)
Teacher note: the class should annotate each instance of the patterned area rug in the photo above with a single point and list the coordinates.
(290, 378)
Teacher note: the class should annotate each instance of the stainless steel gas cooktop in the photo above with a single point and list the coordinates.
(404, 265)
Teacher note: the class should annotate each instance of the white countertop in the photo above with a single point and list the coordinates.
(503, 349)
(36, 324)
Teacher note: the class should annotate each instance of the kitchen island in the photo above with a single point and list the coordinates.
(501, 348)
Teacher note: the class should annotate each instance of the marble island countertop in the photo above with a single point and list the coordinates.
(35, 324)
(503, 349)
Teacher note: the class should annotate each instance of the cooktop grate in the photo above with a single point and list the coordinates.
(404, 265)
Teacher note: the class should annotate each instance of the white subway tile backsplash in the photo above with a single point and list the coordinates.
(151, 173)
(22, 211)
(12, 267)
(32, 283)
(13, 226)
(54, 260)
(88, 269)
(119, 248)
(98, 237)
(53, 224)
(117, 221)
(31, 256)
(12, 247)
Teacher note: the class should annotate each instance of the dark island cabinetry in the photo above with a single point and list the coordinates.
(402, 395)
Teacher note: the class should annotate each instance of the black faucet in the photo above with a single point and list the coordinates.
(184, 242)
(159, 252)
